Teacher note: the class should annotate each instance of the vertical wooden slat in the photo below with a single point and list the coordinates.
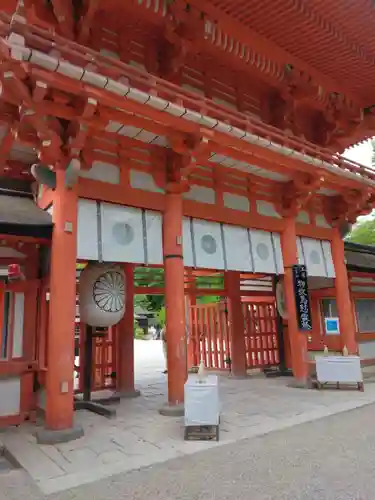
(192, 333)
(225, 316)
(207, 310)
(221, 339)
(247, 332)
(272, 335)
(261, 334)
(202, 335)
(195, 334)
(215, 336)
(263, 310)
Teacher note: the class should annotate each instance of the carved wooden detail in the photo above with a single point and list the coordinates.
(174, 166)
(183, 30)
(347, 206)
(296, 194)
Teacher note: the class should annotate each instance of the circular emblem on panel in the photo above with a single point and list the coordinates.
(123, 233)
(108, 292)
(262, 251)
(315, 257)
(208, 244)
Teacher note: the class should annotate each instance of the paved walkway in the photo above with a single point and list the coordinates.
(329, 459)
(140, 437)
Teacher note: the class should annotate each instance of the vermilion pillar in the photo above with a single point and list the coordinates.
(174, 302)
(298, 340)
(125, 340)
(60, 353)
(343, 298)
(237, 324)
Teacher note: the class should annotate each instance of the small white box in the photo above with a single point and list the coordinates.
(202, 402)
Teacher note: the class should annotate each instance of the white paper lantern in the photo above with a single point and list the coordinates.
(102, 295)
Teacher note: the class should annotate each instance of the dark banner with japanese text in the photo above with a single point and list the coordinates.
(301, 293)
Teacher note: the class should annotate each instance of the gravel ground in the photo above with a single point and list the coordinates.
(329, 459)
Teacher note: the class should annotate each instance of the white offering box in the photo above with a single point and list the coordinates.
(340, 369)
(202, 402)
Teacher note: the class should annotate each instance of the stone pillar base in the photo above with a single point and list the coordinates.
(128, 394)
(48, 436)
(172, 410)
(300, 383)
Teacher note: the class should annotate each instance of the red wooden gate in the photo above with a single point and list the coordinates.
(103, 359)
(209, 335)
(261, 341)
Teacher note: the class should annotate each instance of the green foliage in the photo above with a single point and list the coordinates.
(208, 299)
(149, 302)
(363, 233)
(161, 316)
(154, 277)
(139, 334)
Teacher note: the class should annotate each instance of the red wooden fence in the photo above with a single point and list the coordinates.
(209, 335)
(261, 341)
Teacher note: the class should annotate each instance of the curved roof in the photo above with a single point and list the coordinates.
(20, 216)
(334, 38)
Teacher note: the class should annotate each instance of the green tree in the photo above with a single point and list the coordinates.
(363, 233)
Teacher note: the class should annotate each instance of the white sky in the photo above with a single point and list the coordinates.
(362, 154)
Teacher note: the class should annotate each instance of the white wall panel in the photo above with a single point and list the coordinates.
(367, 349)
(10, 396)
(278, 254)
(266, 208)
(187, 244)
(154, 237)
(122, 234)
(104, 172)
(314, 258)
(143, 180)
(208, 244)
(327, 252)
(236, 202)
(201, 194)
(321, 221)
(303, 217)
(262, 250)
(237, 248)
(87, 230)
(19, 314)
(301, 256)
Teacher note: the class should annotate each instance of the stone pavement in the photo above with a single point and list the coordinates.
(329, 459)
(139, 437)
